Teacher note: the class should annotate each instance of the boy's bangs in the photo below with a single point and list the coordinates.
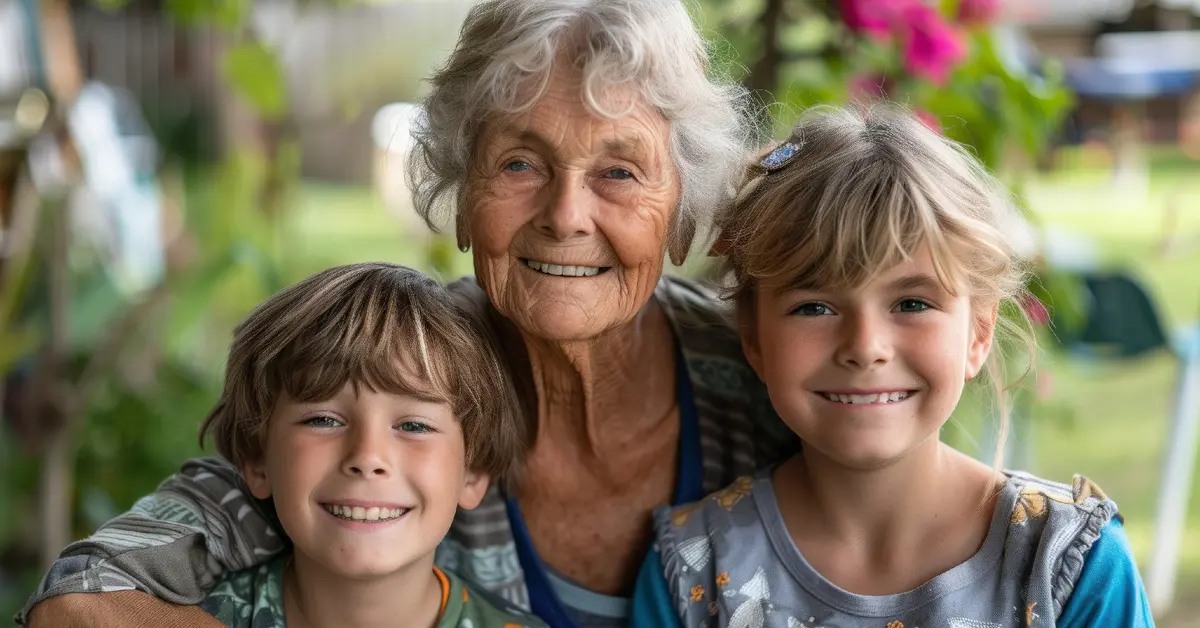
(388, 353)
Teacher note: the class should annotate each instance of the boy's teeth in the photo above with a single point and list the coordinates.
(887, 397)
(561, 271)
(358, 513)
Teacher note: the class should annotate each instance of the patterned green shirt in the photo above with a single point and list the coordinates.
(253, 598)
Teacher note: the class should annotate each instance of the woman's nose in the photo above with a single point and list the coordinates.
(569, 208)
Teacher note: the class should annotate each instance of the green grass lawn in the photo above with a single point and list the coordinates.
(1120, 411)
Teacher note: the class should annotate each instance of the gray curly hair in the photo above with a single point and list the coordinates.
(502, 64)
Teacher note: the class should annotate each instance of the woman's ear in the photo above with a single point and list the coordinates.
(475, 486)
(681, 240)
(462, 230)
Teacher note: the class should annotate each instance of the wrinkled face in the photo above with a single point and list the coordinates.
(365, 484)
(569, 213)
(865, 376)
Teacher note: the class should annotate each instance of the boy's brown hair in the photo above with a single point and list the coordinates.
(375, 325)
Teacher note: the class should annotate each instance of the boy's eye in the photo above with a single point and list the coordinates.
(620, 174)
(812, 309)
(322, 421)
(912, 305)
(415, 427)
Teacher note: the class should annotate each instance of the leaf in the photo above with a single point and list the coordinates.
(255, 72)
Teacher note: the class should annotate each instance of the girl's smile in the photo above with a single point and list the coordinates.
(865, 374)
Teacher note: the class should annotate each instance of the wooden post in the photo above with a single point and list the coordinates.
(54, 403)
(54, 396)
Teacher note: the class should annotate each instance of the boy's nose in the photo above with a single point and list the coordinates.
(367, 456)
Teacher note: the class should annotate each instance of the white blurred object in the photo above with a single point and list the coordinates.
(118, 209)
(1069, 250)
(15, 70)
(391, 134)
(1164, 51)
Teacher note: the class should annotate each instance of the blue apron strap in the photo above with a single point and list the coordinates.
(542, 600)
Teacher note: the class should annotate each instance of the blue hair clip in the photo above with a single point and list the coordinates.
(780, 156)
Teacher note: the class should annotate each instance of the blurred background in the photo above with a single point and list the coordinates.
(165, 166)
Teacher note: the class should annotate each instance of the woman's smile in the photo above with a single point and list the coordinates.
(564, 270)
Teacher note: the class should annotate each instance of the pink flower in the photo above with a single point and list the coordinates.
(931, 46)
(876, 18)
(1037, 312)
(977, 12)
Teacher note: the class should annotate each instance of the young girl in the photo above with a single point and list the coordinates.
(872, 268)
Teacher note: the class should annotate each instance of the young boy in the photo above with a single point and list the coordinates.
(367, 407)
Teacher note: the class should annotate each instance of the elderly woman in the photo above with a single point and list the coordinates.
(575, 144)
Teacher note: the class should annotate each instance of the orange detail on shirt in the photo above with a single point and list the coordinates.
(445, 582)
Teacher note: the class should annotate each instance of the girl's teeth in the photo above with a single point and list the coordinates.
(888, 397)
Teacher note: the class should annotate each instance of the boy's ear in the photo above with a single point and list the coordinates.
(982, 336)
(475, 486)
(255, 475)
(748, 332)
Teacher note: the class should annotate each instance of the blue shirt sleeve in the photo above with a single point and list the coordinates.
(1110, 590)
(651, 606)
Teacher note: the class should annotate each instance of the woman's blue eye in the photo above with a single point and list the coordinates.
(812, 309)
(912, 305)
(619, 174)
(517, 166)
(415, 427)
(322, 421)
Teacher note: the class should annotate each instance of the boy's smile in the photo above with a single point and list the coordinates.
(367, 512)
(366, 483)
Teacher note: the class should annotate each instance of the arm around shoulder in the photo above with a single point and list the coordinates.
(119, 609)
(173, 544)
(1110, 592)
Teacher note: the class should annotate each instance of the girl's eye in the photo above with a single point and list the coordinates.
(912, 305)
(812, 309)
(620, 174)
(517, 166)
(322, 421)
(415, 427)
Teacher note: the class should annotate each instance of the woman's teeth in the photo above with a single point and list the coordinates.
(887, 397)
(358, 513)
(563, 271)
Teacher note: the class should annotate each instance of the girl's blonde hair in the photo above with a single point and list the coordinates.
(861, 190)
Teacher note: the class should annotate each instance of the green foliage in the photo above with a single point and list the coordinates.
(255, 72)
(226, 14)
